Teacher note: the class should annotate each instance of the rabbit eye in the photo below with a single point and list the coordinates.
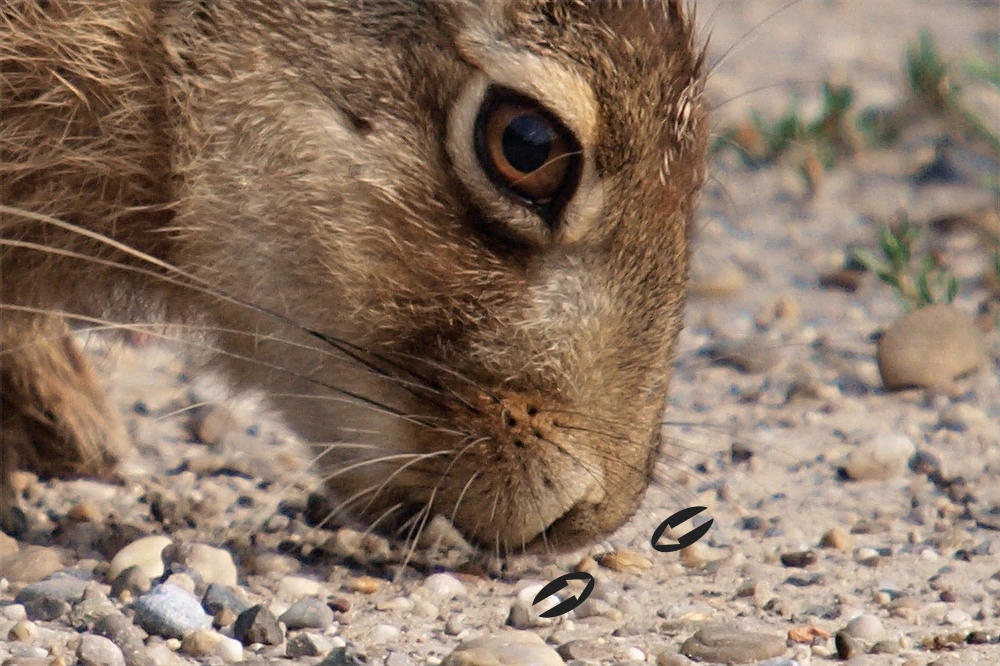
(526, 151)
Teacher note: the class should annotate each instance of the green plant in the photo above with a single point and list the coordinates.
(831, 134)
(932, 83)
(916, 281)
(828, 136)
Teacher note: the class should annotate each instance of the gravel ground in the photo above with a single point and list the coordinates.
(848, 520)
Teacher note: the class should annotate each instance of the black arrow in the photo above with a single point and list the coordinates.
(675, 520)
(566, 605)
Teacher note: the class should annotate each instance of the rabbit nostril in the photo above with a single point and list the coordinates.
(532, 410)
(537, 433)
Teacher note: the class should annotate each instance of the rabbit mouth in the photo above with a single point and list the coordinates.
(528, 475)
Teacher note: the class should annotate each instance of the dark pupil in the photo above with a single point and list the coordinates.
(527, 141)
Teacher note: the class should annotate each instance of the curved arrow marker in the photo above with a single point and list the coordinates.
(675, 520)
(566, 605)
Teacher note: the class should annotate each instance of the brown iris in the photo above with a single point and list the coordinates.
(526, 151)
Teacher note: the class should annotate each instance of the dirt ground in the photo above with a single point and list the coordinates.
(762, 446)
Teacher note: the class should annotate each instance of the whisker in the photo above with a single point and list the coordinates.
(746, 35)
(194, 283)
(753, 91)
(357, 399)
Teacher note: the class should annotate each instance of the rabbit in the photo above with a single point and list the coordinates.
(449, 238)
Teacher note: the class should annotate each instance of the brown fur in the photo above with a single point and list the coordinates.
(281, 173)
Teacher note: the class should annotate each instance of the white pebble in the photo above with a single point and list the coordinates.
(293, 588)
(884, 457)
(523, 614)
(214, 565)
(444, 586)
(15, 612)
(161, 655)
(143, 553)
(635, 654)
(865, 627)
(229, 650)
(424, 608)
(32, 652)
(957, 617)
(400, 604)
(383, 634)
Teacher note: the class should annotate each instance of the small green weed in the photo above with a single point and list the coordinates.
(932, 83)
(828, 135)
(916, 281)
(838, 130)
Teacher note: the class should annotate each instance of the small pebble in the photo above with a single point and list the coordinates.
(384, 634)
(220, 597)
(847, 646)
(93, 606)
(31, 564)
(293, 588)
(867, 556)
(99, 651)
(133, 579)
(229, 650)
(183, 581)
(884, 457)
(845, 279)
(223, 618)
(63, 587)
(865, 627)
(442, 587)
(214, 565)
(839, 538)
(24, 631)
(507, 649)
(929, 347)
(143, 553)
(200, 642)
(731, 645)
(799, 559)
(310, 613)
(127, 636)
(583, 650)
(258, 625)
(627, 561)
(523, 614)
(308, 645)
(85, 512)
(635, 654)
(14, 612)
(170, 612)
(957, 617)
(886, 647)
(363, 584)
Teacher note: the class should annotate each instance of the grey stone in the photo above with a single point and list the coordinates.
(170, 612)
(730, 645)
(310, 613)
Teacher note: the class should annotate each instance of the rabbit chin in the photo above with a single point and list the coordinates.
(513, 472)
